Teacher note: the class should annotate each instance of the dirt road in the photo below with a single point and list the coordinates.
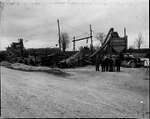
(85, 93)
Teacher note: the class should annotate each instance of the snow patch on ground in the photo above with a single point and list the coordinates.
(86, 93)
(23, 67)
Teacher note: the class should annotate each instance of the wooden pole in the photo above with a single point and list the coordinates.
(91, 37)
(74, 43)
(124, 32)
(59, 34)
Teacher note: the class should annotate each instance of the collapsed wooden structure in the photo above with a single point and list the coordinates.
(113, 44)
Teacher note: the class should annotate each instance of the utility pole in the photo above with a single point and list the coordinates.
(84, 38)
(125, 32)
(91, 37)
(74, 43)
(59, 34)
(74, 40)
(126, 37)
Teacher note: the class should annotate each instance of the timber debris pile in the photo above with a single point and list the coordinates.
(113, 48)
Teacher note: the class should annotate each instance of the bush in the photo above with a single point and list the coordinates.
(3, 56)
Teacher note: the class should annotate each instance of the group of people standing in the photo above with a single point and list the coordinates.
(108, 63)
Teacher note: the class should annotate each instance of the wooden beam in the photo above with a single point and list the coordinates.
(74, 43)
(91, 38)
(59, 34)
(82, 38)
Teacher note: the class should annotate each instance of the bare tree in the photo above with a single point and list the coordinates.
(64, 41)
(100, 36)
(139, 41)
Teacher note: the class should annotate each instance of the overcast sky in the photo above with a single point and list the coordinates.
(36, 20)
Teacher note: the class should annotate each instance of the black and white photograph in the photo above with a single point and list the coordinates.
(74, 59)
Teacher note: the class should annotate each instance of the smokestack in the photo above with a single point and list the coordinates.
(125, 32)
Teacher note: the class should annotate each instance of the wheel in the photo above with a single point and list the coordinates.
(132, 64)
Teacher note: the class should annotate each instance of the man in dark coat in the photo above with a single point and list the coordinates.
(110, 64)
(107, 63)
(97, 63)
(118, 63)
(103, 64)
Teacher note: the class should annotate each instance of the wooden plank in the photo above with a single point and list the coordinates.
(119, 48)
(118, 44)
(82, 38)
